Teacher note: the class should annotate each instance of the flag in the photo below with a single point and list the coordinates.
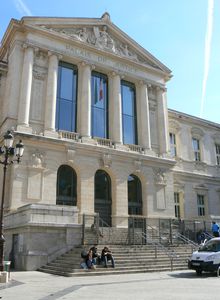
(96, 97)
(101, 89)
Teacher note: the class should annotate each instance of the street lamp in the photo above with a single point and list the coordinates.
(9, 155)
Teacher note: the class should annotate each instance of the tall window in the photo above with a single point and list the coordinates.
(66, 97)
(173, 144)
(201, 205)
(129, 116)
(134, 195)
(66, 186)
(103, 200)
(177, 205)
(217, 149)
(99, 105)
(196, 149)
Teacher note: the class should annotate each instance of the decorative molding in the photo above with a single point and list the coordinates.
(200, 166)
(71, 155)
(159, 176)
(99, 37)
(37, 159)
(197, 132)
(138, 165)
(174, 126)
(106, 160)
(216, 138)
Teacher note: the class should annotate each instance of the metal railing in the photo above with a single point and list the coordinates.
(164, 231)
(171, 254)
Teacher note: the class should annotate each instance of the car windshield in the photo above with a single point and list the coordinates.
(211, 246)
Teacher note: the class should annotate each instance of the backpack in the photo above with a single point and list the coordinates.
(84, 254)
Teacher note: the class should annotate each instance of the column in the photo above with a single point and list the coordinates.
(143, 119)
(84, 101)
(51, 95)
(115, 110)
(25, 91)
(162, 117)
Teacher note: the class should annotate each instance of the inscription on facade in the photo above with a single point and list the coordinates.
(71, 50)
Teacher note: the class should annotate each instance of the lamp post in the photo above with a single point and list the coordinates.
(8, 156)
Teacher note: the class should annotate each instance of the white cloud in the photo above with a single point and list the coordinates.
(22, 8)
(208, 40)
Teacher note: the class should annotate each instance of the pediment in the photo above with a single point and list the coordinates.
(101, 34)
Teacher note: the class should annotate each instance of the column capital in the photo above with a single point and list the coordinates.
(142, 83)
(114, 73)
(85, 63)
(52, 53)
(161, 89)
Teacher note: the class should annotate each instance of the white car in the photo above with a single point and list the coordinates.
(207, 258)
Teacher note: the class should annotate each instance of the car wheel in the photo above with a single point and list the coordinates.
(199, 272)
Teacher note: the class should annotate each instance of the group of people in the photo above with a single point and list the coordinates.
(92, 258)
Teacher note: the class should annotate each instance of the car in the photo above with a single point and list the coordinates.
(207, 258)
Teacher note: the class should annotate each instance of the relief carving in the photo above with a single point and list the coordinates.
(37, 159)
(106, 160)
(99, 37)
(159, 176)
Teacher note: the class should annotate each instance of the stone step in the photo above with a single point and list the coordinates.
(128, 259)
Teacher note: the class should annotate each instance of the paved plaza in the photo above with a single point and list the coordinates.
(164, 285)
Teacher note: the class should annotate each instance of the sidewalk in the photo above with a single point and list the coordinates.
(165, 285)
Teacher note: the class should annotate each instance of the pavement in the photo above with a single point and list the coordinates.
(161, 285)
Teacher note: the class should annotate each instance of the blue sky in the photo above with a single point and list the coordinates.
(177, 32)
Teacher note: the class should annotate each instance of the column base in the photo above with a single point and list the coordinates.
(24, 128)
(51, 133)
(120, 146)
(148, 151)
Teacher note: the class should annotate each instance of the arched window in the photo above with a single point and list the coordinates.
(66, 97)
(134, 195)
(66, 186)
(99, 88)
(103, 201)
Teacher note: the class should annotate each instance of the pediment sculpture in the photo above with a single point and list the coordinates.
(100, 38)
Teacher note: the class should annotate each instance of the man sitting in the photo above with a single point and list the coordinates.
(107, 255)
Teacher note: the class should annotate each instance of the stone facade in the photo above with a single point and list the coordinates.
(29, 59)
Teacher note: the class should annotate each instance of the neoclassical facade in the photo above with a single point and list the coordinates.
(90, 106)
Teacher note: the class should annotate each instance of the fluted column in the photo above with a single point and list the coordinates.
(84, 100)
(162, 117)
(51, 95)
(144, 138)
(115, 110)
(25, 91)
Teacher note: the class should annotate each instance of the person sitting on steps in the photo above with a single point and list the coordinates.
(106, 256)
(90, 261)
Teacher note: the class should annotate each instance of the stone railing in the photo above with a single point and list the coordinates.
(103, 142)
(135, 148)
(68, 135)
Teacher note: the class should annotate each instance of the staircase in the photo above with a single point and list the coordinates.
(128, 259)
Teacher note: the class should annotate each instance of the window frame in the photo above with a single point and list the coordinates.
(105, 109)
(196, 151)
(177, 205)
(173, 146)
(134, 112)
(74, 100)
(217, 152)
(201, 206)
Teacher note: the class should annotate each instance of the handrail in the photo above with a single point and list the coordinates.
(187, 241)
(110, 231)
(171, 254)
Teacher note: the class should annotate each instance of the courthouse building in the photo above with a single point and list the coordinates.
(89, 104)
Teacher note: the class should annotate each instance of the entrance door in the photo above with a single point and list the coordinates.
(103, 200)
